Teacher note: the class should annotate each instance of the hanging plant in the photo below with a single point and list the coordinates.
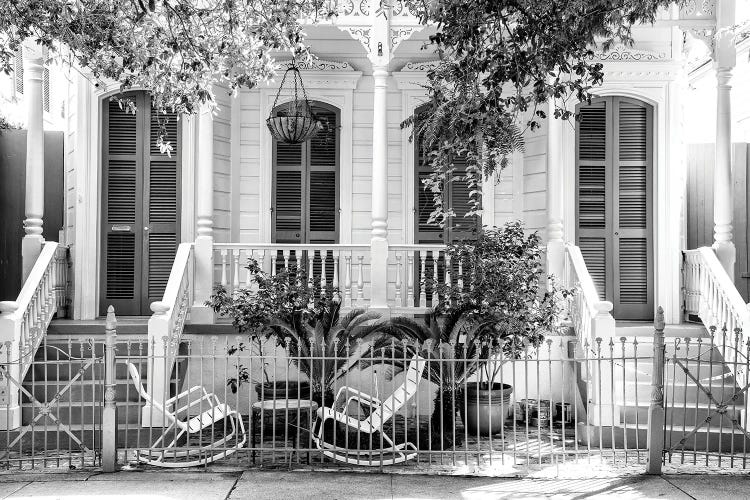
(294, 122)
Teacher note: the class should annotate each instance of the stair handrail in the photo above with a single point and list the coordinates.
(166, 324)
(710, 294)
(591, 317)
(24, 323)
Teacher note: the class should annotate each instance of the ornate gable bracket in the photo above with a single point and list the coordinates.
(322, 74)
(624, 53)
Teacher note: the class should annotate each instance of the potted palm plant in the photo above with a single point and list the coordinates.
(506, 306)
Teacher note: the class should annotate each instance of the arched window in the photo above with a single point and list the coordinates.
(306, 184)
(614, 171)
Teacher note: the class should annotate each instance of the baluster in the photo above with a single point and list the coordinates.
(435, 279)
(361, 280)
(286, 254)
(224, 267)
(448, 270)
(273, 262)
(248, 256)
(422, 277)
(323, 260)
(311, 275)
(336, 258)
(398, 279)
(460, 274)
(409, 279)
(348, 280)
(236, 264)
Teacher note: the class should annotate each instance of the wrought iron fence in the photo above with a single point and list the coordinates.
(395, 405)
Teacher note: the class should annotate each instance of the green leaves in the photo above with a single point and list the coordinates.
(501, 62)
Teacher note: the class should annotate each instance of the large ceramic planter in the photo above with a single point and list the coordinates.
(486, 408)
(282, 389)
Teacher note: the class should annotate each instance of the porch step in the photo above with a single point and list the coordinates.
(646, 329)
(126, 325)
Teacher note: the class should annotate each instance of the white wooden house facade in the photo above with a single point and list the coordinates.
(613, 186)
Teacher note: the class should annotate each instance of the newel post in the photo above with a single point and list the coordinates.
(603, 323)
(157, 383)
(655, 441)
(109, 415)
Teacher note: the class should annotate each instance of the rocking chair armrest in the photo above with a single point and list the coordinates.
(196, 388)
(358, 395)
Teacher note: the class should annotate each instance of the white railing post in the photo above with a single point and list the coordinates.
(602, 322)
(204, 208)
(159, 326)
(379, 240)
(655, 440)
(10, 332)
(31, 245)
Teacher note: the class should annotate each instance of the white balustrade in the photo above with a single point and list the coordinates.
(24, 323)
(710, 294)
(591, 317)
(165, 329)
(336, 266)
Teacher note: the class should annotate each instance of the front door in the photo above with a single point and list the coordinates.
(614, 171)
(140, 219)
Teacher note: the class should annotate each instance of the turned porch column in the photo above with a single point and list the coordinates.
(724, 61)
(204, 212)
(555, 242)
(379, 234)
(31, 245)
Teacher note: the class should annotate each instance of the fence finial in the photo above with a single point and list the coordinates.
(111, 322)
(659, 320)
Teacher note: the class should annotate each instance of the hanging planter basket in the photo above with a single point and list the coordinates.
(293, 122)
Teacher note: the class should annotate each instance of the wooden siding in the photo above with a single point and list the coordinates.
(700, 205)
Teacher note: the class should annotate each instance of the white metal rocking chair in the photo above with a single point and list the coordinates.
(181, 424)
(380, 412)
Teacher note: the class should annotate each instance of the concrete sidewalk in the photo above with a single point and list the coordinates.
(329, 485)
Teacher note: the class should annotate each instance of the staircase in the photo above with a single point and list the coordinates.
(68, 375)
(618, 417)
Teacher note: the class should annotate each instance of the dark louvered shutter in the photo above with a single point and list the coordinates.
(633, 284)
(592, 192)
(613, 185)
(323, 150)
(162, 215)
(122, 208)
(426, 232)
(460, 199)
(305, 192)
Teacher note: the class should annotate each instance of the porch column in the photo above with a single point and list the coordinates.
(555, 242)
(31, 245)
(724, 61)
(379, 234)
(204, 212)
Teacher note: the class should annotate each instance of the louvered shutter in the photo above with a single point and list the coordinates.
(161, 216)
(122, 192)
(425, 232)
(613, 186)
(460, 201)
(305, 194)
(323, 151)
(593, 234)
(632, 159)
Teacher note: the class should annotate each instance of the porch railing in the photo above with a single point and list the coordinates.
(166, 325)
(591, 316)
(710, 294)
(24, 322)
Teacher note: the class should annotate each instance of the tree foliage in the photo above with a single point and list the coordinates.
(177, 49)
(502, 60)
